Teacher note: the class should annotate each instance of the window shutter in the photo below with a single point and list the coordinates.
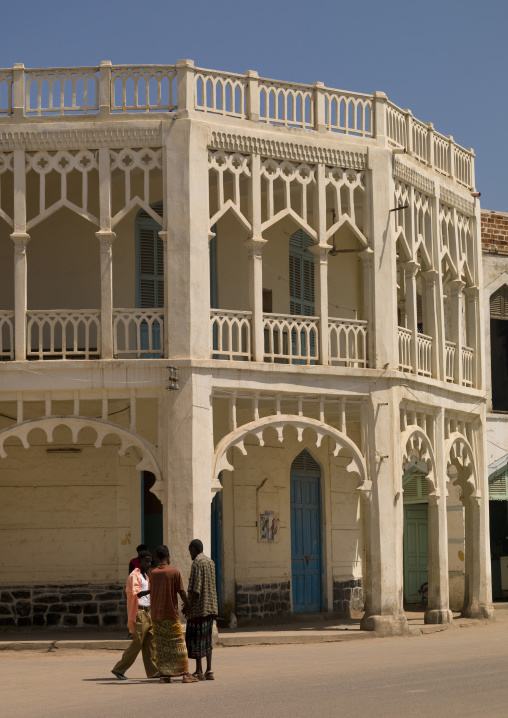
(499, 304)
(301, 275)
(151, 266)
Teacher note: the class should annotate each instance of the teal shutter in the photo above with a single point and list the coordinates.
(151, 267)
(301, 275)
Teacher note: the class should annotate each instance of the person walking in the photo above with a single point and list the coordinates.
(134, 562)
(166, 586)
(139, 621)
(201, 610)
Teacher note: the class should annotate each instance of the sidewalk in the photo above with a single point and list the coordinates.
(317, 630)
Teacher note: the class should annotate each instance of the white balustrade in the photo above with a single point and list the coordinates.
(291, 339)
(6, 80)
(6, 335)
(347, 342)
(467, 366)
(221, 93)
(138, 333)
(61, 91)
(231, 334)
(463, 170)
(347, 113)
(404, 337)
(424, 351)
(147, 88)
(396, 127)
(62, 334)
(287, 104)
(441, 154)
(449, 361)
(420, 139)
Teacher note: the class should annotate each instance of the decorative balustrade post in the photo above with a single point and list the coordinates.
(451, 155)
(20, 240)
(471, 168)
(430, 143)
(105, 88)
(255, 246)
(320, 252)
(106, 248)
(457, 298)
(253, 105)
(185, 84)
(431, 278)
(380, 118)
(319, 107)
(410, 270)
(409, 131)
(18, 100)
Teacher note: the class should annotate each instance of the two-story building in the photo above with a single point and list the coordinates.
(309, 260)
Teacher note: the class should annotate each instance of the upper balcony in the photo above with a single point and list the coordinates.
(119, 91)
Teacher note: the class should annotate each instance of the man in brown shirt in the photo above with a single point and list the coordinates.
(165, 586)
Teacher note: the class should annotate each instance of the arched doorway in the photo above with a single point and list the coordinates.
(306, 534)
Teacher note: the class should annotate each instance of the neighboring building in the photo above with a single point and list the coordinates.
(318, 290)
(494, 232)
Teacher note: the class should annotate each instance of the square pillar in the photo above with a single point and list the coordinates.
(255, 249)
(320, 252)
(106, 267)
(20, 240)
(410, 270)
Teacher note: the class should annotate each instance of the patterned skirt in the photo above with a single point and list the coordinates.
(170, 647)
(198, 636)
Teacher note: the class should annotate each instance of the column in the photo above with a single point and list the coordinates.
(20, 239)
(384, 612)
(255, 249)
(187, 269)
(384, 286)
(438, 609)
(410, 270)
(456, 300)
(474, 328)
(320, 252)
(106, 236)
(186, 438)
(255, 246)
(106, 267)
(431, 279)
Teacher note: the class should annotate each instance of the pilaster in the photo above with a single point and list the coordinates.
(106, 239)
(410, 270)
(20, 240)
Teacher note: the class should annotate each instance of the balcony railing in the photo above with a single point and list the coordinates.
(405, 336)
(347, 342)
(63, 334)
(467, 366)
(138, 333)
(424, 354)
(6, 335)
(121, 89)
(449, 361)
(291, 338)
(230, 334)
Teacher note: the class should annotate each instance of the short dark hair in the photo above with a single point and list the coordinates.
(197, 545)
(142, 547)
(144, 554)
(162, 552)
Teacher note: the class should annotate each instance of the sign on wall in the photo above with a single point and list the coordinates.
(268, 518)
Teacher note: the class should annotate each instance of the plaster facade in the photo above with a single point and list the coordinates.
(309, 261)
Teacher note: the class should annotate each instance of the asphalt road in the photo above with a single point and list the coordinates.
(461, 672)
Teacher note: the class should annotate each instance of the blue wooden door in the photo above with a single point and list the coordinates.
(416, 550)
(306, 557)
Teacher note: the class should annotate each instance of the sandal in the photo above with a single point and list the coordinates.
(199, 676)
(209, 676)
(189, 679)
(165, 679)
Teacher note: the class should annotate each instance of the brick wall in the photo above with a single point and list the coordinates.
(494, 231)
(50, 606)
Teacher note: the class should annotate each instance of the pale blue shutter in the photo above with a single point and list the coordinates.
(301, 275)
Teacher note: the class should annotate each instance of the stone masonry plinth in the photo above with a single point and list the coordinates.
(71, 606)
(262, 600)
(347, 596)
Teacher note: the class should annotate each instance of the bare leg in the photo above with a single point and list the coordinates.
(209, 660)
(199, 667)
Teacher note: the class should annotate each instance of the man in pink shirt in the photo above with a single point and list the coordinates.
(139, 621)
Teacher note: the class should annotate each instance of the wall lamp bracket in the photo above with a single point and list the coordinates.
(173, 378)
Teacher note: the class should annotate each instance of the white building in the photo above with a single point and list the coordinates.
(318, 290)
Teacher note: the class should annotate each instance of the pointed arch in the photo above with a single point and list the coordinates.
(236, 439)
(417, 451)
(459, 453)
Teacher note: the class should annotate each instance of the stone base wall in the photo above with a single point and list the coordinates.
(348, 596)
(75, 606)
(262, 600)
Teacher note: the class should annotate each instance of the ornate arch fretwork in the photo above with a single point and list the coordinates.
(146, 452)
(293, 185)
(346, 194)
(128, 161)
(6, 169)
(460, 455)
(417, 451)
(236, 439)
(227, 167)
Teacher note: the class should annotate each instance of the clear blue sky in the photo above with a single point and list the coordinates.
(445, 60)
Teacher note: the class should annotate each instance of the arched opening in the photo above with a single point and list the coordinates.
(151, 513)
(499, 348)
(416, 532)
(306, 534)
